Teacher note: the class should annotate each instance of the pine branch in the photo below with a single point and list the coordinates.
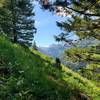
(82, 12)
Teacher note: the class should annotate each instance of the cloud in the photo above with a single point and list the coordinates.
(35, 2)
(37, 23)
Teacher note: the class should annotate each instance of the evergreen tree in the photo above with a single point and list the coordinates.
(34, 46)
(25, 22)
(5, 18)
(2, 3)
(14, 11)
(16, 20)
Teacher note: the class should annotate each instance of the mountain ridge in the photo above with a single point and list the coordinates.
(56, 50)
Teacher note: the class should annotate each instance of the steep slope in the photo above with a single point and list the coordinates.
(84, 60)
(29, 75)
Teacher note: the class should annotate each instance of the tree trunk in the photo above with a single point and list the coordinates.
(13, 3)
(15, 37)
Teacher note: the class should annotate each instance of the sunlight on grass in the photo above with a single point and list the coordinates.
(32, 72)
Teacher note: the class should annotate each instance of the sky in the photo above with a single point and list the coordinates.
(46, 26)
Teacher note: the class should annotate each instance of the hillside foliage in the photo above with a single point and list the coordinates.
(87, 59)
(28, 74)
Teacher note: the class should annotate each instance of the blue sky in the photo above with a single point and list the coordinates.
(46, 26)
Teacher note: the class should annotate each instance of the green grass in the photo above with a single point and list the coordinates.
(33, 76)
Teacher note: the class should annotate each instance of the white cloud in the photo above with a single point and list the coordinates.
(37, 23)
(35, 2)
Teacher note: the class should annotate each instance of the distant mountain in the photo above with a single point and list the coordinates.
(54, 50)
(88, 42)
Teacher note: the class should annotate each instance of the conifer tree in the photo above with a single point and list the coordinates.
(16, 20)
(34, 46)
(5, 18)
(25, 22)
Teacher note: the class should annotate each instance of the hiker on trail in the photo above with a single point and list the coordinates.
(58, 63)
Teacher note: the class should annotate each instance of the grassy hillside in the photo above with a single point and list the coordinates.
(87, 62)
(92, 72)
(29, 75)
